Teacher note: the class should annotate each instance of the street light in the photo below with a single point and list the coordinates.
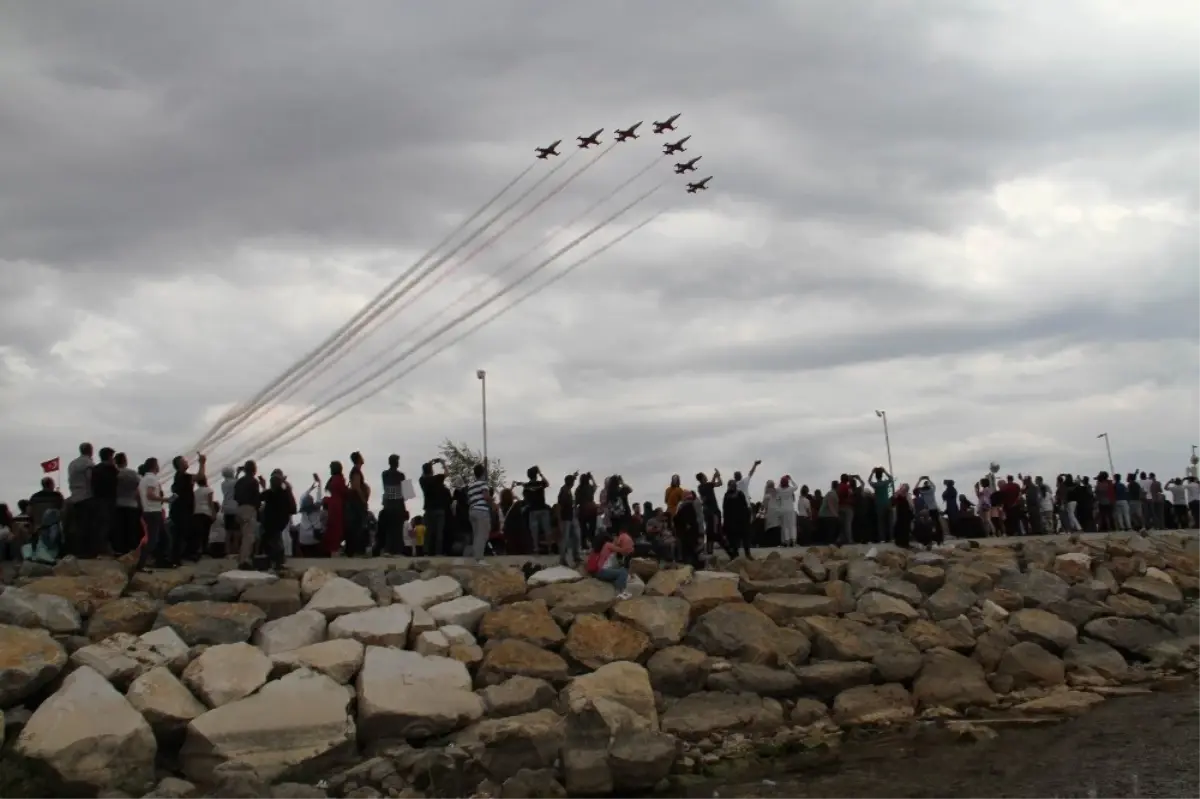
(887, 440)
(482, 375)
(1108, 448)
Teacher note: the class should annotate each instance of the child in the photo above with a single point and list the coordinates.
(604, 563)
(418, 536)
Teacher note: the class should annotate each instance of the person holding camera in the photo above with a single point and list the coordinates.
(278, 507)
(884, 485)
(537, 511)
(568, 519)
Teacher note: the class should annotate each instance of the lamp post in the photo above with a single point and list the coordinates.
(482, 375)
(887, 440)
(1108, 448)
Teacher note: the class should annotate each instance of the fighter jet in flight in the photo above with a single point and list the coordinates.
(546, 152)
(659, 127)
(687, 166)
(677, 147)
(628, 133)
(700, 185)
(587, 141)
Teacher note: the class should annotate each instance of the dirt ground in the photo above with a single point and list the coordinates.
(1138, 746)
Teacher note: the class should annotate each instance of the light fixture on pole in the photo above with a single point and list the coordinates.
(482, 376)
(1108, 448)
(887, 440)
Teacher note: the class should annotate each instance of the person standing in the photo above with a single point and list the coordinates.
(104, 479)
(785, 498)
(479, 503)
(437, 505)
(845, 496)
(150, 496)
(394, 513)
(356, 508)
(883, 484)
(536, 508)
(202, 521)
(1158, 503)
(248, 495)
(77, 521)
(128, 523)
(736, 512)
(568, 517)
(278, 507)
(707, 490)
(905, 516)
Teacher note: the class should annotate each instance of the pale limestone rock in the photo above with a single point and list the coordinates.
(339, 596)
(464, 612)
(294, 728)
(87, 734)
(291, 632)
(383, 626)
(226, 673)
(433, 642)
(554, 575)
(339, 659)
(426, 593)
(242, 579)
(403, 694)
(164, 702)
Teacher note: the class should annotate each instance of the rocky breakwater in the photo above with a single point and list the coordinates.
(455, 680)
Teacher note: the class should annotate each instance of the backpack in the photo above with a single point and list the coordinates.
(594, 562)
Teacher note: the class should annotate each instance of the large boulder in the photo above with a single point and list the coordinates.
(291, 632)
(1153, 590)
(212, 622)
(885, 608)
(466, 612)
(1027, 664)
(277, 599)
(743, 632)
(679, 670)
(594, 640)
(664, 619)
(23, 608)
(90, 738)
(427, 593)
(496, 585)
(1037, 587)
(339, 659)
(338, 596)
(528, 621)
(950, 601)
(529, 741)
(509, 657)
(404, 695)
(84, 592)
(666, 582)
(755, 679)
(894, 657)
(700, 715)
(129, 614)
(227, 673)
(165, 703)
(295, 728)
(29, 660)
(1097, 657)
(782, 608)
(948, 679)
(553, 575)
(873, 704)
(704, 595)
(626, 684)
(516, 696)
(567, 600)
(1131, 636)
(382, 626)
(828, 678)
(1042, 627)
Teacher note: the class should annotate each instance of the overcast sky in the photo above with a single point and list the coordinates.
(979, 216)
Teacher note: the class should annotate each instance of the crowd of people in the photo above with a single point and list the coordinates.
(112, 508)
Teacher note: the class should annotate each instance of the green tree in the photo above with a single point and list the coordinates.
(460, 464)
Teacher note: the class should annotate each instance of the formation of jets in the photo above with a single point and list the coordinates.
(620, 135)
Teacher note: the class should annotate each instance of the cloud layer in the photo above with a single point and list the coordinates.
(981, 218)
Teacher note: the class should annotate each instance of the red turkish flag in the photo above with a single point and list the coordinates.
(50, 466)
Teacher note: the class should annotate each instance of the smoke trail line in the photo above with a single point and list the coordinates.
(241, 410)
(268, 440)
(473, 289)
(322, 362)
(295, 435)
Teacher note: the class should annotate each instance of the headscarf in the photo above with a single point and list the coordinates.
(769, 490)
(903, 490)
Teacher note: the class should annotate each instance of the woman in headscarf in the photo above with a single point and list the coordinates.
(785, 496)
(355, 509)
(311, 527)
(735, 510)
(904, 515)
(335, 522)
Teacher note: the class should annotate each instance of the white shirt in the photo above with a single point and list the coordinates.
(1145, 484)
(216, 531)
(803, 506)
(786, 496)
(149, 484)
(1179, 494)
(309, 528)
(204, 498)
(744, 487)
(1193, 491)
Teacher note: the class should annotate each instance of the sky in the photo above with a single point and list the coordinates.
(980, 217)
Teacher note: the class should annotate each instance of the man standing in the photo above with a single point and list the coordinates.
(1157, 503)
(437, 505)
(128, 522)
(568, 521)
(77, 526)
(534, 496)
(104, 478)
(247, 492)
(707, 489)
(183, 507)
(845, 495)
(395, 512)
(883, 484)
(1137, 513)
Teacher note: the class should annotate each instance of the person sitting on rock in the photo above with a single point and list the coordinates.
(605, 561)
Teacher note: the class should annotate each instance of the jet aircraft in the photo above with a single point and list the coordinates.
(628, 133)
(677, 147)
(700, 185)
(687, 166)
(659, 127)
(546, 152)
(587, 141)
